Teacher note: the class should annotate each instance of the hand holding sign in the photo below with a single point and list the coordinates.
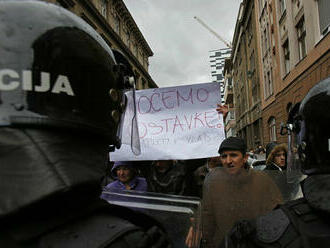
(222, 109)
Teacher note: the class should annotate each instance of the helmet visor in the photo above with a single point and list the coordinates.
(135, 138)
(128, 132)
(293, 161)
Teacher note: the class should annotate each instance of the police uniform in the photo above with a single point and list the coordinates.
(61, 98)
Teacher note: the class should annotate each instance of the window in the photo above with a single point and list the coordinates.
(231, 115)
(112, 8)
(261, 5)
(128, 38)
(268, 38)
(239, 107)
(272, 129)
(255, 92)
(243, 103)
(282, 6)
(286, 57)
(288, 107)
(268, 84)
(265, 42)
(229, 83)
(252, 62)
(104, 4)
(219, 77)
(301, 32)
(117, 24)
(324, 16)
(250, 32)
(136, 50)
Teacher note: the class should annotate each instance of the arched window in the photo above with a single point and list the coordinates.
(288, 107)
(272, 128)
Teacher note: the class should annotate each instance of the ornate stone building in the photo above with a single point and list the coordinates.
(295, 44)
(245, 76)
(230, 123)
(112, 20)
(281, 48)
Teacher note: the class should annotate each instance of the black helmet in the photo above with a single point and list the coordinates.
(56, 71)
(310, 122)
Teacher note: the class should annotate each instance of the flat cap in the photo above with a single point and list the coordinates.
(233, 144)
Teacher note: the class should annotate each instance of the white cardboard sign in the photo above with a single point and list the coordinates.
(174, 123)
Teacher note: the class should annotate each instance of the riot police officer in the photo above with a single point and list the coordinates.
(304, 222)
(61, 99)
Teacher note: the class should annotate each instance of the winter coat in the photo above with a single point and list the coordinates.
(229, 198)
(173, 181)
(199, 177)
(289, 191)
(273, 166)
(137, 183)
(273, 151)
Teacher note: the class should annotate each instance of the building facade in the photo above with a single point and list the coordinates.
(229, 121)
(217, 63)
(245, 76)
(281, 49)
(294, 42)
(112, 20)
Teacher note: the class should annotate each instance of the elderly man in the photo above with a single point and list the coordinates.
(234, 192)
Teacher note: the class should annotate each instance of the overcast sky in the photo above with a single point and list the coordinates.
(180, 44)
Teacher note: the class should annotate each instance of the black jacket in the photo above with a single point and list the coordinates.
(304, 222)
(50, 186)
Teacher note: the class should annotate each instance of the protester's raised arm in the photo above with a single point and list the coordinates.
(222, 109)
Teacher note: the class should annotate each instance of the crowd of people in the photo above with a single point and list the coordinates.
(230, 189)
(184, 177)
(228, 186)
(173, 177)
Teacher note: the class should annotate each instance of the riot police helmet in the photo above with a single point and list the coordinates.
(57, 71)
(309, 122)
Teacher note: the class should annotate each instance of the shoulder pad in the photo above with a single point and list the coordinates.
(271, 226)
(98, 230)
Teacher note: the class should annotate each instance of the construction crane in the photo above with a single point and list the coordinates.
(213, 32)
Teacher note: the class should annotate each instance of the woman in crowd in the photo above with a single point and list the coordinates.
(276, 157)
(126, 177)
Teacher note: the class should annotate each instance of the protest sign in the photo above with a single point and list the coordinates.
(174, 123)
